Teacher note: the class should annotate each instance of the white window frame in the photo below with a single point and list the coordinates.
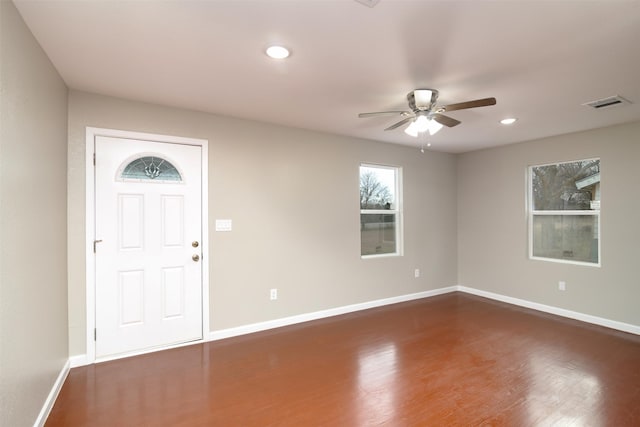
(398, 211)
(532, 213)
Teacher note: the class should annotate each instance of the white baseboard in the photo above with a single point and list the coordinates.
(53, 395)
(82, 360)
(79, 360)
(306, 317)
(613, 324)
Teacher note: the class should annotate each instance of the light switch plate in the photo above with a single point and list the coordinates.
(224, 225)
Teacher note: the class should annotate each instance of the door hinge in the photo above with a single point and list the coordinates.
(95, 334)
(94, 159)
(95, 242)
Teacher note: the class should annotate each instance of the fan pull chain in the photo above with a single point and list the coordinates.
(422, 143)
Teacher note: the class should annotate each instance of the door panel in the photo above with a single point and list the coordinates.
(173, 295)
(172, 220)
(131, 295)
(148, 287)
(131, 221)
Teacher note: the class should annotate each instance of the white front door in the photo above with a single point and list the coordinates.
(148, 244)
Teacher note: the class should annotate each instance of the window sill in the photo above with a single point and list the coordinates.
(566, 261)
(374, 256)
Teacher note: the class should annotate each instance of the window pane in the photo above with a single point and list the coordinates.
(566, 186)
(377, 188)
(377, 234)
(150, 168)
(566, 237)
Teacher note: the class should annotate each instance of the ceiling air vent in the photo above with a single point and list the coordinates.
(607, 102)
(369, 3)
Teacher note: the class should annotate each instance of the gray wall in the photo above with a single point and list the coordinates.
(293, 196)
(492, 224)
(33, 218)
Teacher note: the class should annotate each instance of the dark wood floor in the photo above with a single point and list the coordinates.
(449, 360)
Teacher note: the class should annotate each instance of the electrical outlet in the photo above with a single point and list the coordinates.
(416, 273)
(562, 285)
(273, 294)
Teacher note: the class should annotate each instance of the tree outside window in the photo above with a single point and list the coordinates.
(564, 217)
(379, 210)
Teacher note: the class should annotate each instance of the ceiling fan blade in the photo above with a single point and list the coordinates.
(383, 113)
(484, 102)
(400, 123)
(445, 120)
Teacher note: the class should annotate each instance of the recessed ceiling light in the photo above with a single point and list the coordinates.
(508, 121)
(277, 52)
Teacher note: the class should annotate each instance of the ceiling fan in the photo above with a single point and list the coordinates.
(425, 115)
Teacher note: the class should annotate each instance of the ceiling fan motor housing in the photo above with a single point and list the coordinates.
(422, 99)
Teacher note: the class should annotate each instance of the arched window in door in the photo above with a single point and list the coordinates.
(149, 168)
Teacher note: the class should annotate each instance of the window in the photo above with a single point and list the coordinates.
(564, 217)
(380, 211)
(150, 167)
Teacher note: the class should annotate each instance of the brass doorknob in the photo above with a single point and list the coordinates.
(195, 244)
(196, 257)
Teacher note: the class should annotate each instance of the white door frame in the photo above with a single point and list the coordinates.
(90, 195)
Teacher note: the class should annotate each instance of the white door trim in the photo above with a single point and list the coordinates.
(91, 134)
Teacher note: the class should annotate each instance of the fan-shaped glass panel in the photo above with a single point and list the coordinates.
(151, 168)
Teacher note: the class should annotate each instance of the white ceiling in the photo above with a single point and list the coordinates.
(540, 59)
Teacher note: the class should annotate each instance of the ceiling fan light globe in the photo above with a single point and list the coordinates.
(412, 130)
(422, 123)
(434, 127)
